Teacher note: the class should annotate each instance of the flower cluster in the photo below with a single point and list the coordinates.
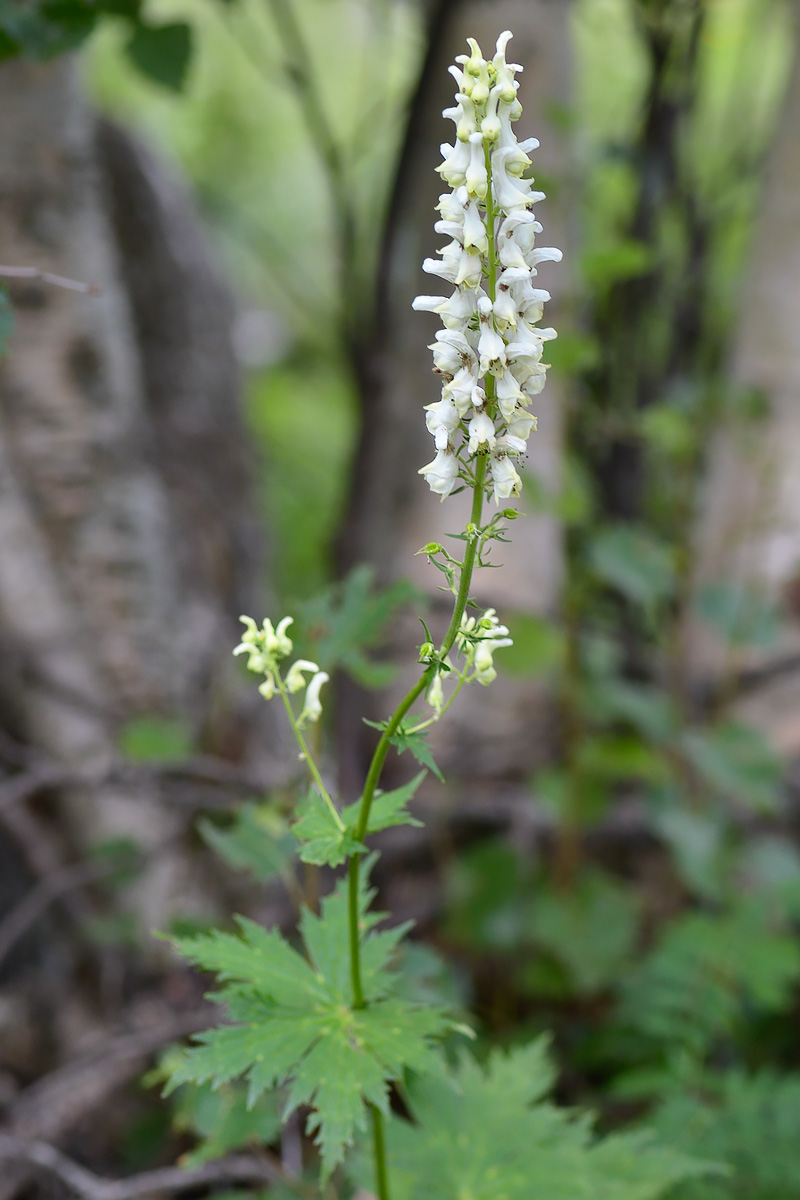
(489, 353)
(478, 638)
(265, 649)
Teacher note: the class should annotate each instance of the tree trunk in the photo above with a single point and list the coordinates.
(750, 527)
(126, 538)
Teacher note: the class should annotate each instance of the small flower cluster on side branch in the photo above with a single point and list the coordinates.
(266, 648)
(489, 353)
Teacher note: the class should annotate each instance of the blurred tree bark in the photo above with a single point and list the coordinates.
(391, 512)
(750, 527)
(127, 546)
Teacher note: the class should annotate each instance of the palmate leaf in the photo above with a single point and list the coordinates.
(486, 1133)
(294, 1022)
(324, 843)
(388, 808)
(351, 618)
(749, 1122)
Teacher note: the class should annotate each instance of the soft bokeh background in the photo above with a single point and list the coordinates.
(235, 424)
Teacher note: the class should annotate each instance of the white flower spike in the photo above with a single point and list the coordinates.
(489, 353)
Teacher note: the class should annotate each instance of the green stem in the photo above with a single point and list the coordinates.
(379, 1146)
(307, 755)
(393, 724)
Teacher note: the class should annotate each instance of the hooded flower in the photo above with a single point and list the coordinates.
(490, 352)
(312, 705)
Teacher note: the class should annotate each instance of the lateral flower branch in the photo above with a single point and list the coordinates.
(489, 358)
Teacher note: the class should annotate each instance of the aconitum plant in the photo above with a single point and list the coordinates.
(328, 1024)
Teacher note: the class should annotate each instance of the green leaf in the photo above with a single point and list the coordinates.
(219, 1117)
(590, 930)
(705, 974)
(322, 841)
(351, 618)
(417, 745)
(388, 808)
(622, 259)
(43, 30)
(489, 1132)
(538, 646)
(739, 615)
(257, 840)
(634, 562)
(155, 739)
(6, 321)
(294, 1023)
(130, 9)
(736, 761)
(749, 1122)
(162, 52)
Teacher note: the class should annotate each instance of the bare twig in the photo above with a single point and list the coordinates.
(54, 1103)
(239, 1168)
(74, 285)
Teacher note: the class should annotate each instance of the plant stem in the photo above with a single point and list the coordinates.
(308, 757)
(393, 724)
(379, 1147)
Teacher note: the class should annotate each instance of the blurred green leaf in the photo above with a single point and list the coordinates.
(162, 52)
(648, 709)
(538, 646)
(351, 617)
(44, 28)
(737, 761)
(699, 847)
(257, 840)
(591, 929)
(739, 615)
(6, 321)
(603, 266)
(620, 757)
(669, 429)
(155, 739)
(488, 898)
(634, 562)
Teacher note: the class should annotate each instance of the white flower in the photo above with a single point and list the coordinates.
(478, 638)
(456, 160)
(475, 235)
(442, 420)
(441, 474)
(481, 432)
(312, 706)
(505, 84)
(509, 393)
(505, 478)
(456, 311)
(490, 367)
(462, 388)
(491, 347)
(544, 254)
(476, 176)
(505, 309)
(265, 646)
(295, 676)
(518, 432)
(451, 352)
(435, 696)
